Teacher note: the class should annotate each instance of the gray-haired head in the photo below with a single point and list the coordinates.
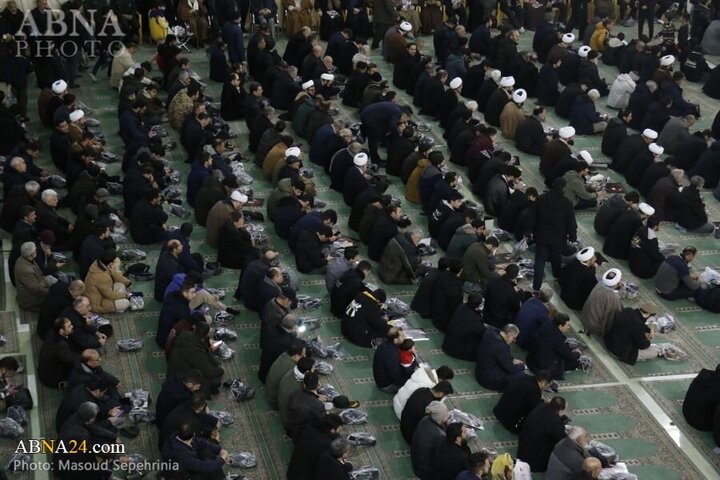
(15, 161)
(697, 182)
(355, 147)
(32, 187)
(546, 293)
(87, 411)
(339, 447)
(511, 330)
(290, 321)
(578, 435)
(650, 84)
(28, 249)
(47, 195)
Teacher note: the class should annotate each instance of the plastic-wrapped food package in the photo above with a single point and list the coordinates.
(172, 193)
(222, 319)
(225, 418)
(671, 352)
(619, 471)
(242, 460)
(133, 255)
(668, 248)
(18, 413)
(141, 415)
(130, 344)
(224, 352)
(316, 348)
(3, 341)
(241, 391)
(467, 419)
(353, 416)
(118, 238)
(585, 363)
(323, 368)
(306, 302)
(575, 343)
(664, 323)
(606, 454)
(329, 391)
(336, 351)
(137, 303)
(309, 323)
(710, 276)
(397, 307)
(225, 334)
(365, 473)
(216, 292)
(139, 398)
(57, 181)
(362, 439)
(179, 211)
(519, 248)
(629, 291)
(9, 428)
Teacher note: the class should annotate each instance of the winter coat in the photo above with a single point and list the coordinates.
(383, 230)
(494, 362)
(620, 91)
(600, 309)
(387, 370)
(495, 105)
(496, 194)
(167, 266)
(414, 411)
(532, 314)
(584, 115)
(211, 192)
(55, 360)
(450, 459)
(510, 118)
(702, 399)
(502, 302)
(614, 134)
(363, 320)
(516, 403)
(644, 256)
(575, 189)
(708, 165)
(464, 333)
(608, 211)
(32, 287)
(174, 309)
(421, 378)
(307, 450)
(530, 136)
(395, 264)
(192, 352)
(422, 301)
(554, 219)
(99, 288)
(476, 264)
(235, 248)
(549, 352)
(691, 213)
(547, 87)
(308, 252)
(428, 435)
(626, 152)
(617, 242)
(446, 299)
(542, 430)
(672, 134)
(555, 152)
(565, 461)
(304, 409)
(146, 223)
(663, 197)
(217, 216)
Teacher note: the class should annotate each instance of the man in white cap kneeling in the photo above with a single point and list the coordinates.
(630, 147)
(327, 89)
(577, 279)
(497, 101)
(50, 100)
(356, 178)
(584, 117)
(556, 150)
(450, 101)
(220, 213)
(512, 114)
(603, 304)
(395, 42)
(617, 243)
(641, 162)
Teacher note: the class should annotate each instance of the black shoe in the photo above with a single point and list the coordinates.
(232, 311)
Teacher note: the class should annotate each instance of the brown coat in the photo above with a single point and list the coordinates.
(412, 188)
(396, 46)
(555, 151)
(32, 288)
(99, 288)
(218, 215)
(305, 16)
(510, 118)
(180, 107)
(275, 156)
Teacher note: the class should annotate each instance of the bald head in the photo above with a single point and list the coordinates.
(592, 467)
(90, 355)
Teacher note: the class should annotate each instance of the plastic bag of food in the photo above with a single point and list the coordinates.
(242, 460)
(225, 334)
(575, 343)
(130, 345)
(220, 294)
(396, 307)
(224, 352)
(629, 291)
(710, 276)
(225, 418)
(305, 302)
(141, 415)
(607, 455)
(305, 324)
(353, 416)
(118, 238)
(664, 323)
(9, 428)
(137, 303)
(316, 348)
(241, 391)
(365, 473)
(671, 352)
(467, 419)
(519, 248)
(133, 255)
(222, 319)
(323, 368)
(179, 211)
(57, 181)
(585, 363)
(336, 351)
(18, 413)
(329, 391)
(362, 439)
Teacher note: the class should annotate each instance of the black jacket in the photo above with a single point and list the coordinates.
(384, 229)
(146, 223)
(450, 459)
(502, 302)
(304, 409)
(495, 104)
(422, 302)
(309, 447)
(167, 266)
(554, 219)
(57, 300)
(355, 183)
(702, 400)
(463, 333)
(235, 248)
(617, 243)
(627, 335)
(329, 468)
(549, 352)
(386, 366)
(576, 282)
(494, 362)
(363, 320)
(608, 211)
(348, 287)
(614, 134)
(530, 136)
(56, 359)
(173, 392)
(543, 428)
(626, 152)
(446, 299)
(174, 309)
(202, 423)
(516, 403)
(691, 212)
(308, 252)
(414, 411)
(644, 256)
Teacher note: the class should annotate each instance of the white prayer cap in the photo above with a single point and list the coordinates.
(496, 75)
(405, 26)
(59, 86)
(594, 94)
(76, 115)
(612, 277)
(667, 60)
(472, 105)
(586, 157)
(566, 132)
(656, 149)
(519, 96)
(507, 81)
(585, 254)
(308, 84)
(650, 133)
(238, 196)
(361, 159)
(583, 51)
(292, 151)
(327, 76)
(646, 209)
(568, 38)
(456, 83)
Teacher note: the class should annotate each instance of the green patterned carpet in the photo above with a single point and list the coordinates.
(612, 413)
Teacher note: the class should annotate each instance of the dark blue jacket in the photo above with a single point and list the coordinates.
(174, 309)
(284, 91)
(133, 133)
(380, 119)
(167, 266)
(311, 221)
(680, 106)
(386, 366)
(531, 315)
(194, 460)
(186, 260)
(549, 352)
(321, 141)
(480, 41)
(196, 177)
(494, 362)
(583, 115)
(233, 35)
(250, 281)
(547, 86)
